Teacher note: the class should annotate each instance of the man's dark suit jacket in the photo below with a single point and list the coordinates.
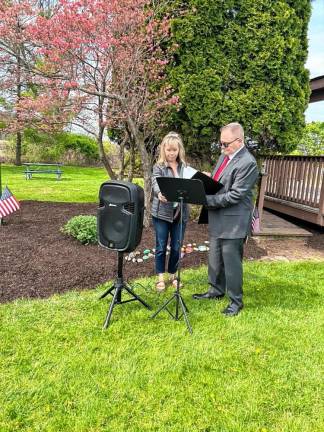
(230, 210)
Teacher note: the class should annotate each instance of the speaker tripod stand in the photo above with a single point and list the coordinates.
(116, 291)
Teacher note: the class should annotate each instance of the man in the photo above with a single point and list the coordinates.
(229, 218)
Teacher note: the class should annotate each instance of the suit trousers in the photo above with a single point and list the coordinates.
(225, 268)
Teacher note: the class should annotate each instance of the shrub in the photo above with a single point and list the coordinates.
(64, 147)
(83, 228)
(78, 144)
(40, 146)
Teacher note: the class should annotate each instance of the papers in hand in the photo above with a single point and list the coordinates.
(211, 186)
(188, 172)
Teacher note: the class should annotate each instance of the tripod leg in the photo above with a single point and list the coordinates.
(111, 307)
(130, 291)
(177, 305)
(185, 314)
(108, 291)
(187, 310)
(164, 306)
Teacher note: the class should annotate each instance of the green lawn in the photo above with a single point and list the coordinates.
(260, 371)
(78, 184)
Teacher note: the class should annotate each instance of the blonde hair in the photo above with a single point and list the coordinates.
(236, 128)
(172, 138)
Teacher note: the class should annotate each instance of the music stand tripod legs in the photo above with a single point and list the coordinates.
(177, 295)
(116, 291)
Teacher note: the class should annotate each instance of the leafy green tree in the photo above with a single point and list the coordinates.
(312, 140)
(241, 61)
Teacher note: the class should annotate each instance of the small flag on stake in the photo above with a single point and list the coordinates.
(8, 203)
(255, 224)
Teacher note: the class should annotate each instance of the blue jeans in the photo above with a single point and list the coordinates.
(162, 231)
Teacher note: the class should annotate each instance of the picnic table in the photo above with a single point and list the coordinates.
(42, 168)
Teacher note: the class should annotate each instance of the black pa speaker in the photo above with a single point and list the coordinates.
(120, 215)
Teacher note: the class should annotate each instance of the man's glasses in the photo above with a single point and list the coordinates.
(226, 144)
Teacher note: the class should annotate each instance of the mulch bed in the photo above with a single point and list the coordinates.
(37, 260)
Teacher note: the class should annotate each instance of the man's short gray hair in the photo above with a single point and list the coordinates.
(236, 128)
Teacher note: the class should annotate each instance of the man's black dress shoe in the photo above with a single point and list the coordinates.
(231, 310)
(208, 295)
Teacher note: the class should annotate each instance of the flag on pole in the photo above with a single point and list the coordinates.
(8, 203)
(255, 225)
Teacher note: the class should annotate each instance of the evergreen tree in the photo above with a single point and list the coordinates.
(241, 61)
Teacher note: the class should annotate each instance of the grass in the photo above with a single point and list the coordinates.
(261, 371)
(77, 184)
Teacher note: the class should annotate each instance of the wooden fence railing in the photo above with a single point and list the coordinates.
(295, 186)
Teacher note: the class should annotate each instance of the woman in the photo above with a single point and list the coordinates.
(166, 215)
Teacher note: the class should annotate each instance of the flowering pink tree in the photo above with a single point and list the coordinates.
(108, 55)
(26, 97)
(16, 51)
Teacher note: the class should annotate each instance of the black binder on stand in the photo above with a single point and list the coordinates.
(211, 187)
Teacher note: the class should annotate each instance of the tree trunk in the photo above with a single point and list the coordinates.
(147, 175)
(122, 157)
(147, 194)
(18, 148)
(104, 159)
(139, 140)
(18, 134)
(102, 154)
(131, 162)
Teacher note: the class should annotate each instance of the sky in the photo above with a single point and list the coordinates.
(315, 61)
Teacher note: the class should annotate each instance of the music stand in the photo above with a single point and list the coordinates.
(182, 191)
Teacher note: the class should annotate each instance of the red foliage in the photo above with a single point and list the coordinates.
(29, 97)
(109, 50)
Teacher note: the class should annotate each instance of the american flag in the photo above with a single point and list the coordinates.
(8, 203)
(255, 224)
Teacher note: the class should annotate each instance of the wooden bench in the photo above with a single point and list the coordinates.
(42, 168)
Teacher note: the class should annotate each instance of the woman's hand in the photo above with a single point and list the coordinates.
(207, 173)
(162, 198)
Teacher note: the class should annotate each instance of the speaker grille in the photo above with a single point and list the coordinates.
(130, 207)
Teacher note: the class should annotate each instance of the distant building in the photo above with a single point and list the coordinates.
(317, 88)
